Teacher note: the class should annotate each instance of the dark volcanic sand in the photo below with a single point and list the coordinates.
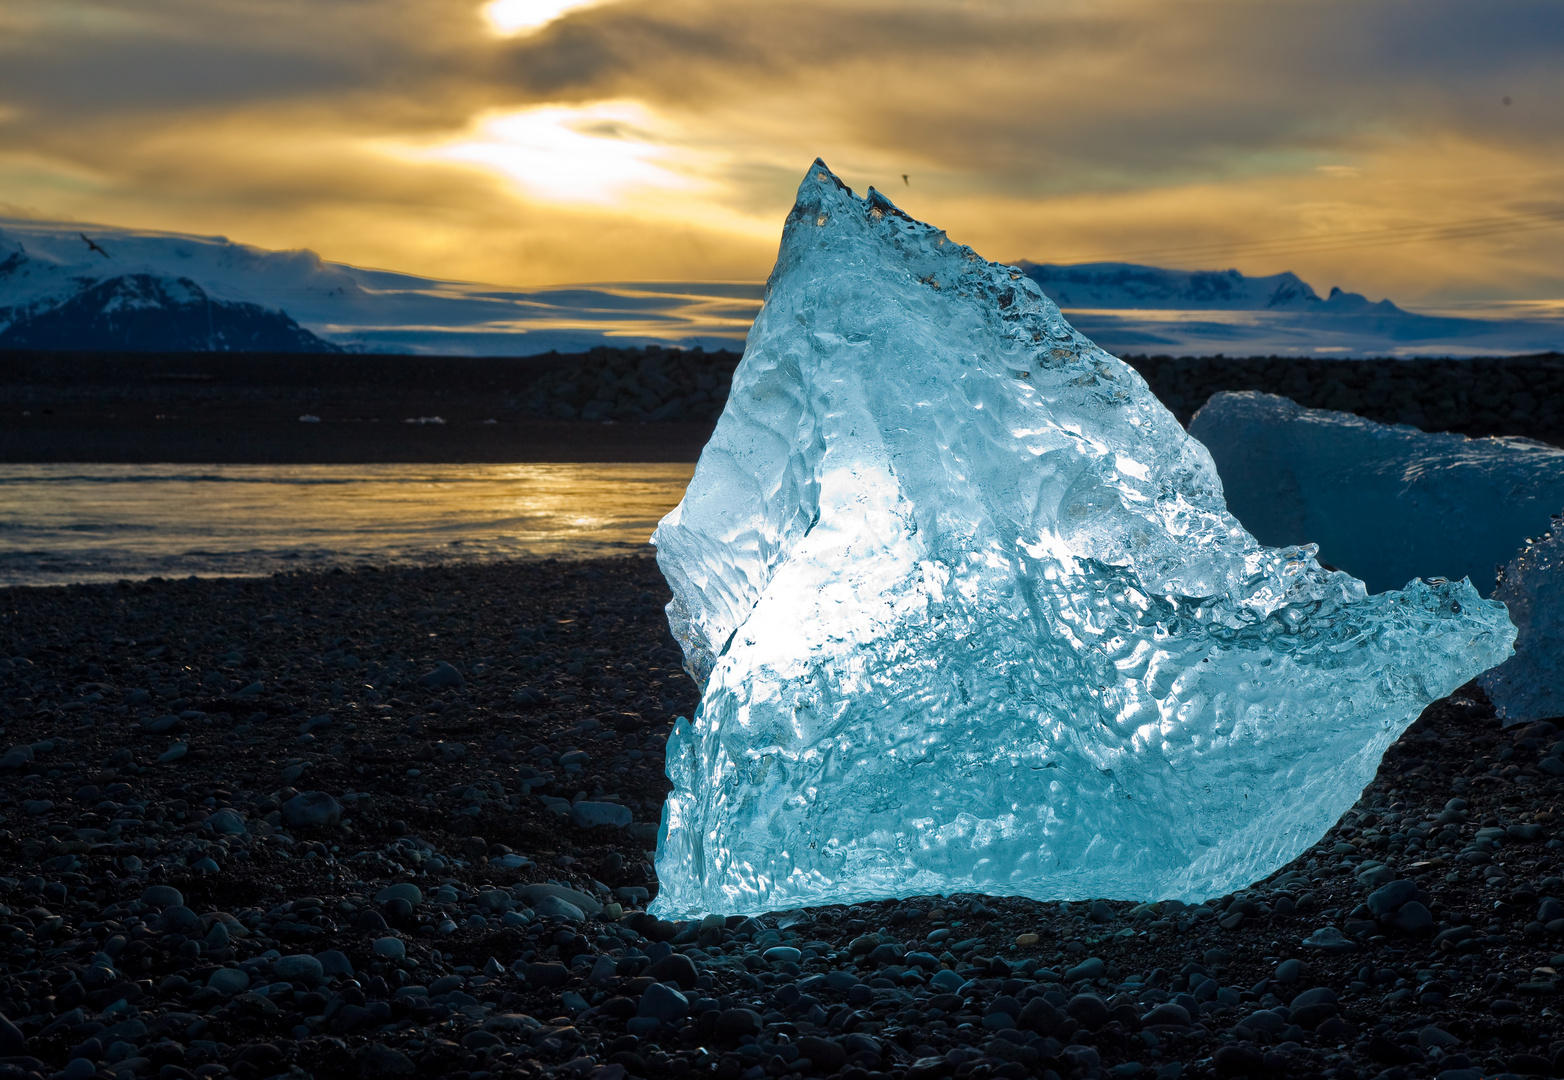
(569, 684)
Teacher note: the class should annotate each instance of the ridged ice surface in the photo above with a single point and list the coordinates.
(1384, 502)
(970, 614)
(1530, 685)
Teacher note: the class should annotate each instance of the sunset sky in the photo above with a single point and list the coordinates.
(539, 141)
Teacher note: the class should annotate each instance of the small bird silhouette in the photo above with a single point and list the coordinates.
(92, 246)
(905, 180)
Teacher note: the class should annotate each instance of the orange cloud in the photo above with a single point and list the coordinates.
(545, 142)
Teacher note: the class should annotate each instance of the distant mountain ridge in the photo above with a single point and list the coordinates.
(1131, 286)
(300, 297)
(154, 313)
(51, 303)
(72, 286)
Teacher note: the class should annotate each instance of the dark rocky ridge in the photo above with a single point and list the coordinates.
(238, 407)
(1421, 938)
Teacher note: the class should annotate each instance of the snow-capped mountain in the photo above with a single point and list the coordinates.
(49, 300)
(1148, 309)
(74, 286)
(53, 274)
(1127, 285)
(153, 312)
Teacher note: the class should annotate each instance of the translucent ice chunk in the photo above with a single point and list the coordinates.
(970, 613)
(1530, 685)
(1386, 503)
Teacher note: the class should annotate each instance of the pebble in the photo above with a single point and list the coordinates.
(312, 810)
(534, 893)
(298, 968)
(453, 914)
(442, 675)
(229, 981)
(162, 896)
(557, 907)
(588, 815)
(1329, 939)
(390, 947)
(1090, 968)
(226, 823)
(402, 890)
(664, 1003)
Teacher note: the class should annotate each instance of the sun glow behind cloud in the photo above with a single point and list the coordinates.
(548, 141)
(600, 153)
(509, 17)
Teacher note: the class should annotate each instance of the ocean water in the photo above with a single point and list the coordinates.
(63, 523)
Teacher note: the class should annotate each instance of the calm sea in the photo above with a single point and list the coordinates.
(80, 523)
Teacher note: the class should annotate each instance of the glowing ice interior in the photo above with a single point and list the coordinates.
(970, 614)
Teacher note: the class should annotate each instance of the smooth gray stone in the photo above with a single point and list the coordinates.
(443, 675)
(161, 896)
(663, 1003)
(402, 890)
(1389, 898)
(311, 809)
(335, 962)
(533, 893)
(1090, 968)
(589, 815)
(1329, 939)
(229, 981)
(1290, 971)
(179, 919)
(549, 906)
(226, 823)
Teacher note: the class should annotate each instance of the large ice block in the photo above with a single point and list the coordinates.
(1385, 503)
(1530, 685)
(970, 614)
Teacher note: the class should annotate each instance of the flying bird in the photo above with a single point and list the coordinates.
(905, 180)
(92, 246)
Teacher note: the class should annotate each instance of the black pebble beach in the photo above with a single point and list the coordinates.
(396, 823)
(389, 824)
